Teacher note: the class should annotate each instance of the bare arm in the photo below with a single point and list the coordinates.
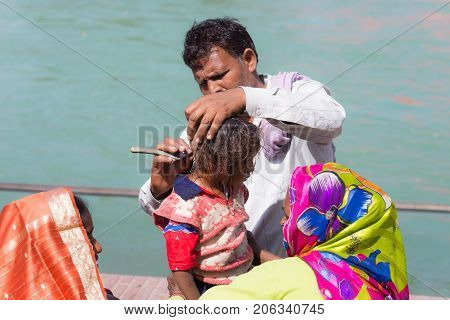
(266, 256)
(186, 284)
(260, 255)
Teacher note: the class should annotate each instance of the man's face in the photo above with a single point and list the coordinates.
(220, 71)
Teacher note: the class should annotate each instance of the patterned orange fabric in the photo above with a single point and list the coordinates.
(45, 252)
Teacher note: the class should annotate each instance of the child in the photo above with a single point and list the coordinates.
(203, 218)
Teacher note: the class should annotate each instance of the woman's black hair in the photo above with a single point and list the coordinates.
(83, 209)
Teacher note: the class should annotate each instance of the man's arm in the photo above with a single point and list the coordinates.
(147, 200)
(308, 112)
(164, 171)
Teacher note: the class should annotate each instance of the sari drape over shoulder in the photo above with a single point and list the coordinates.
(45, 252)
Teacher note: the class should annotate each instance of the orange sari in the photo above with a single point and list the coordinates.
(45, 252)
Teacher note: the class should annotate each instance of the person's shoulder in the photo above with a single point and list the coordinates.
(175, 208)
(185, 203)
(184, 192)
(288, 79)
(285, 73)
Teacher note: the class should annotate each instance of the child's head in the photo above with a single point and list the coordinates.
(228, 159)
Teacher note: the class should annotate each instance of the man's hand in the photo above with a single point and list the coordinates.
(206, 114)
(165, 169)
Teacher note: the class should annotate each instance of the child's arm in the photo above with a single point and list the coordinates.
(181, 240)
(186, 284)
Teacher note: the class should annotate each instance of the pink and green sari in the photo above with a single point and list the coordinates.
(346, 229)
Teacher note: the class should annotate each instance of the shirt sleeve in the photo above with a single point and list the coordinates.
(308, 111)
(181, 239)
(147, 200)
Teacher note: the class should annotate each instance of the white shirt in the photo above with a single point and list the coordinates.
(314, 117)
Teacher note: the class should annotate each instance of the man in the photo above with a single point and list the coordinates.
(302, 120)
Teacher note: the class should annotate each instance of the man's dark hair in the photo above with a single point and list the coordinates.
(226, 33)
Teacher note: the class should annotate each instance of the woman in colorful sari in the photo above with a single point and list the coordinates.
(46, 251)
(342, 237)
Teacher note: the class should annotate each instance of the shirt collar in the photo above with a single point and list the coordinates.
(186, 188)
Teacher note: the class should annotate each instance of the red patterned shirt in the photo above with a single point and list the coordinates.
(204, 232)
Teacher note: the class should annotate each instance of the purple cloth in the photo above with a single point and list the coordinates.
(285, 80)
(276, 142)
